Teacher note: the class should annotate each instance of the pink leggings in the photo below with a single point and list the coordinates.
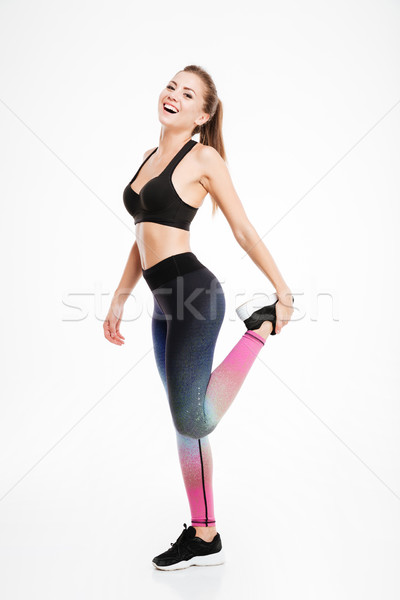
(195, 454)
(189, 307)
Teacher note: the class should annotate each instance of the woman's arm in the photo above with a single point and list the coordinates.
(131, 275)
(217, 181)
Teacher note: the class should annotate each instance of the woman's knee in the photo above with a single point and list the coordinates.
(192, 426)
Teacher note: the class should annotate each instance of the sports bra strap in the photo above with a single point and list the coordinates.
(145, 160)
(172, 164)
(178, 157)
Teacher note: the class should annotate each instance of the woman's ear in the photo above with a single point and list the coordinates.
(203, 119)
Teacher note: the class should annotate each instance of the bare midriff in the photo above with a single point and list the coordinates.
(156, 242)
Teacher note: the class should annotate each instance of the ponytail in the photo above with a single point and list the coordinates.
(211, 131)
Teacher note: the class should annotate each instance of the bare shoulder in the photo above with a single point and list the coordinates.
(208, 154)
(146, 154)
(209, 160)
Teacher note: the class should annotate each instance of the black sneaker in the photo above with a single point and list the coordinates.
(259, 309)
(190, 551)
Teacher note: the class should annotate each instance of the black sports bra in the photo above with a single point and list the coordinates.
(158, 200)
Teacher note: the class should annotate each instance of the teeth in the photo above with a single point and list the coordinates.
(171, 107)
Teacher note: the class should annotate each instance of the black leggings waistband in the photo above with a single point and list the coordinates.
(171, 267)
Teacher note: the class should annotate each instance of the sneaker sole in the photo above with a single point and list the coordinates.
(209, 560)
(245, 310)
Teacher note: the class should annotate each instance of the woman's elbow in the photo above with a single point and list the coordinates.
(244, 233)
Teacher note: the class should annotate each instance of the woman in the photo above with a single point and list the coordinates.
(189, 305)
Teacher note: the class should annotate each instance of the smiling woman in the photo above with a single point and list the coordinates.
(163, 197)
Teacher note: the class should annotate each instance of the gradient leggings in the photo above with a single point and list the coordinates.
(189, 307)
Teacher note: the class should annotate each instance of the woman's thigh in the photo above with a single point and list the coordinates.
(194, 308)
(159, 335)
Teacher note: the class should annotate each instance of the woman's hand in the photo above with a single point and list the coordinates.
(112, 323)
(284, 309)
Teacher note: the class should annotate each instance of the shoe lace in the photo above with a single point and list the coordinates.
(180, 539)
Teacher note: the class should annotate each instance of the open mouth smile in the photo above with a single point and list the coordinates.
(170, 108)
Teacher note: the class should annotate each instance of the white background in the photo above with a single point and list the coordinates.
(306, 468)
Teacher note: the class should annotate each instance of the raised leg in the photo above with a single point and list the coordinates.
(198, 396)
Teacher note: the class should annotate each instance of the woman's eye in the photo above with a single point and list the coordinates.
(170, 87)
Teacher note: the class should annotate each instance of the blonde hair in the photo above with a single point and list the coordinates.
(211, 131)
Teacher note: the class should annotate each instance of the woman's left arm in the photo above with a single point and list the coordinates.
(218, 183)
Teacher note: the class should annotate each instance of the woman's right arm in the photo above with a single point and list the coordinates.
(130, 277)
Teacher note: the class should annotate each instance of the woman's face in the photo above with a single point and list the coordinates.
(184, 92)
